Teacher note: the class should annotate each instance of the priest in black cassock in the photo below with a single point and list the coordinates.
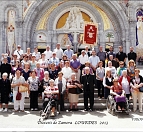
(88, 81)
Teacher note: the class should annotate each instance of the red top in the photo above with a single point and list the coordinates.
(121, 78)
(117, 89)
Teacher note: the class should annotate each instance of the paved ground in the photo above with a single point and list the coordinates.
(71, 120)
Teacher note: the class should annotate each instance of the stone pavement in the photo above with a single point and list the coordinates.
(70, 120)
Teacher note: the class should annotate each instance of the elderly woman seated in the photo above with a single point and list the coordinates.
(51, 92)
(119, 95)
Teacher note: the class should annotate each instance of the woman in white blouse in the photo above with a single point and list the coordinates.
(136, 83)
(67, 71)
(112, 68)
(124, 81)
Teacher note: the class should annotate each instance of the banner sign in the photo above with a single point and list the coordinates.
(90, 33)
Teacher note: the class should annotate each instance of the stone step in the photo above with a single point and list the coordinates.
(80, 105)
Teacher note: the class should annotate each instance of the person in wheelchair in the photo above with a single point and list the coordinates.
(51, 92)
(119, 95)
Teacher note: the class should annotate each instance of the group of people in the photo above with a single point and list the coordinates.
(61, 73)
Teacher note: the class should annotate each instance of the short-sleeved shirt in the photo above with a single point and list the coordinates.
(51, 89)
(75, 63)
(68, 53)
(94, 60)
(54, 60)
(17, 80)
(121, 56)
(101, 55)
(73, 90)
(33, 83)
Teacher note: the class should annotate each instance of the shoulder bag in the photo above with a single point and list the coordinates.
(19, 95)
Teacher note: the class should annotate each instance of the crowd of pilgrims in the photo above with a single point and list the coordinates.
(63, 72)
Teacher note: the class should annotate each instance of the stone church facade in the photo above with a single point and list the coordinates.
(41, 22)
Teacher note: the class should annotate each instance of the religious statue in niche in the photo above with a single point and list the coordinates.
(74, 20)
(11, 32)
(139, 33)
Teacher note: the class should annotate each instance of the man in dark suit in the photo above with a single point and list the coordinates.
(88, 82)
(132, 55)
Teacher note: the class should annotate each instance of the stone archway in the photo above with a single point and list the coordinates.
(111, 8)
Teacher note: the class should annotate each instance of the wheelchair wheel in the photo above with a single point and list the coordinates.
(108, 105)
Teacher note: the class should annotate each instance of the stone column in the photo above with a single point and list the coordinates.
(54, 40)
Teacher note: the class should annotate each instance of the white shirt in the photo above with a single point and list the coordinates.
(83, 59)
(104, 81)
(48, 54)
(113, 71)
(18, 53)
(94, 60)
(59, 53)
(66, 72)
(37, 55)
(125, 85)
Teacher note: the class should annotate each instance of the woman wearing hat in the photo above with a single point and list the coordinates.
(131, 69)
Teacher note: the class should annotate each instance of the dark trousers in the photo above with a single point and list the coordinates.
(99, 87)
(106, 92)
(33, 99)
(128, 96)
(89, 95)
(121, 104)
(61, 102)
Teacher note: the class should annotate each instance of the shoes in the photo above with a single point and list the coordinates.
(1, 109)
(36, 109)
(140, 111)
(90, 110)
(22, 110)
(52, 114)
(15, 110)
(134, 110)
(70, 110)
(5, 110)
(32, 109)
(76, 109)
(85, 109)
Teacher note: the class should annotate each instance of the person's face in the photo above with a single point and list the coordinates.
(132, 64)
(93, 53)
(108, 73)
(54, 55)
(100, 64)
(111, 48)
(58, 46)
(100, 48)
(33, 74)
(124, 74)
(15, 57)
(137, 72)
(25, 57)
(28, 50)
(27, 66)
(131, 49)
(46, 75)
(66, 64)
(64, 58)
(18, 48)
(36, 50)
(18, 73)
(83, 53)
(60, 75)
(121, 65)
(120, 49)
(52, 66)
(51, 83)
(110, 64)
(111, 57)
(38, 65)
(48, 48)
(87, 64)
(86, 48)
(87, 71)
(115, 83)
(43, 56)
(4, 77)
(68, 47)
(33, 57)
(73, 77)
(74, 57)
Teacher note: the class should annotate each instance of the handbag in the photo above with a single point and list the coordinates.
(19, 95)
(79, 90)
(23, 88)
(141, 89)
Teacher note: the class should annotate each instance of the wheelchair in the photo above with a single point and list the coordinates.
(45, 113)
(111, 106)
